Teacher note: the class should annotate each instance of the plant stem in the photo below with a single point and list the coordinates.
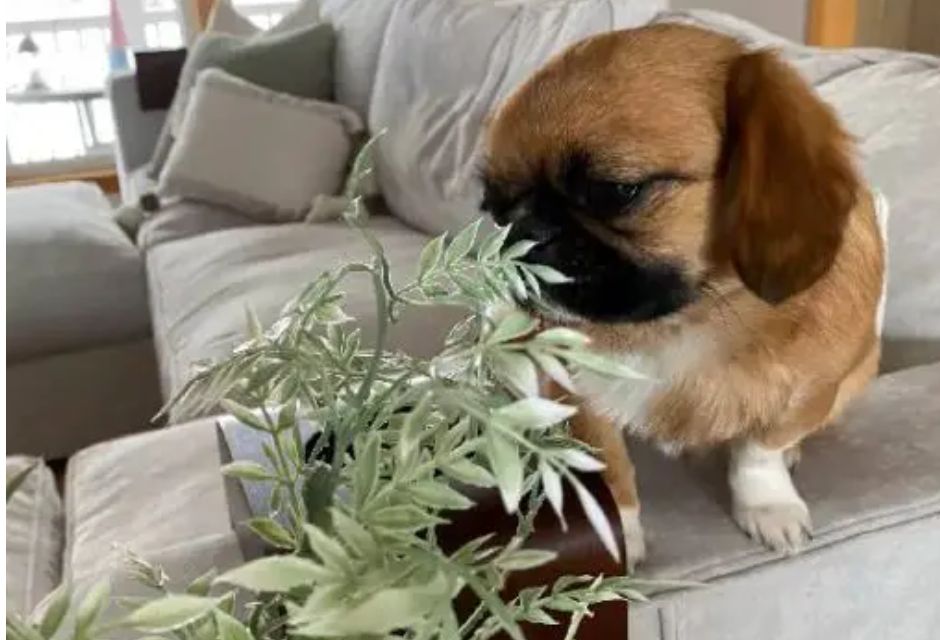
(297, 507)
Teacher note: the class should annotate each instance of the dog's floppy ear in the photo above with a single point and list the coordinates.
(787, 182)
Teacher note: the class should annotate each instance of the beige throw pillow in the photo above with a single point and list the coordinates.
(266, 154)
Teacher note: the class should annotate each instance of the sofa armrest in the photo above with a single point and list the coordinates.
(873, 489)
(136, 130)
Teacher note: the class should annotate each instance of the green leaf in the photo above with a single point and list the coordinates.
(226, 602)
(18, 629)
(287, 416)
(329, 550)
(506, 465)
(377, 615)
(524, 559)
(431, 256)
(247, 470)
(402, 518)
(534, 413)
(277, 574)
(244, 415)
(516, 283)
(497, 608)
(331, 314)
(602, 364)
(353, 534)
(16, 480)
(532, 283)
(169, 613)
(518, 249)
(517, 371)
(538, 616)
(597, 518)
(514, 324)
(563, 336)
(201, 585)
(272, 533)
(54, 606)
(146, 573)
(413, 426)
(553, 368)
(462, 244)
(551, 484)
(581, 460)
(367, 468)
(547, 274)
(255, 330)
(467, 553)
(231, 629)
(462, 470)
(438, 495)
(494, 244)
(90, 608)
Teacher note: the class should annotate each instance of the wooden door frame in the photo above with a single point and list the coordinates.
(196, 15)
(831, 23)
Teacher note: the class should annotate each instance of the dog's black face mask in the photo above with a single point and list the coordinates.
(606, 284)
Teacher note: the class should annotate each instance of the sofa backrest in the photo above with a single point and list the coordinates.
(360, 30)
(443, 67)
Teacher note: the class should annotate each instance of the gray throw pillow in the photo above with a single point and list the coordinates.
(297, 62)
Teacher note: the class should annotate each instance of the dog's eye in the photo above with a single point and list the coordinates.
(611, 198)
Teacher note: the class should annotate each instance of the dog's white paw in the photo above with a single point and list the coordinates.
(766, 504)
(634, 539)
(784, 527)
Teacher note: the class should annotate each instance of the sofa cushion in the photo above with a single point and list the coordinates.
(34, 536)
(200, 287)
(265, 153)
(873, 490)
(159, 494)
(433, 105)
(179, 219)
(296, 61)
(74, 279)
(889, 100)
(59, 403)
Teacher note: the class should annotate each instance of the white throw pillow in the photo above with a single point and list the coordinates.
(263, 153)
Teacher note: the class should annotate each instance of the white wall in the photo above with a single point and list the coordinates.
(784, 17)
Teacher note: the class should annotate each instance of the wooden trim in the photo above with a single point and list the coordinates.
(196, 16)
(832, 23)
(203, 9)
(105, 178)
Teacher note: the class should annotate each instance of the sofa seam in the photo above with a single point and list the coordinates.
(161, 343)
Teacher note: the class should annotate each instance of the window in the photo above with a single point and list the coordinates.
(57, 64)
(264, 13)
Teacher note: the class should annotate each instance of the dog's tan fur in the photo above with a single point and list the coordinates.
(770, 213)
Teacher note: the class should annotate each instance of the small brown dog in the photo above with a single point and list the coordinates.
(704, 202)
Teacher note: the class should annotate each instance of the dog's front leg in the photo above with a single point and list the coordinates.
(603, 435)
(765, 502)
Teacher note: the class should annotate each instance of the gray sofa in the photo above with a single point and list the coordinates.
(873, 481)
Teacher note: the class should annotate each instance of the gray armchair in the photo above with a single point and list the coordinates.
(136, 133)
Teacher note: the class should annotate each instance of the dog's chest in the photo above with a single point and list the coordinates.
(628, 402)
